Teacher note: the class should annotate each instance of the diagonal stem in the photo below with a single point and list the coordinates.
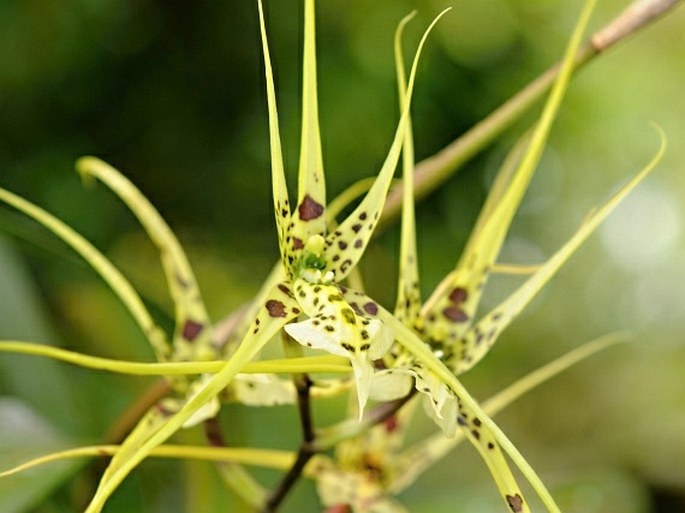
(434, 170)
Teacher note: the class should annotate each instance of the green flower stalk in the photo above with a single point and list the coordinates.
(312, 297)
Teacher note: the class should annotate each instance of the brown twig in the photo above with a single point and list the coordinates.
(434, 170)
(306, 449)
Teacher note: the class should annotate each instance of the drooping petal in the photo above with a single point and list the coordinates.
(310, 219)
(193, 329)
(280, 190)
(414, 461)
(334, 326)
(450, 310)
(346, 244)
(489, 437)
(476, 342)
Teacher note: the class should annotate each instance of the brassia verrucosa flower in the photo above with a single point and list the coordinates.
(416, 352)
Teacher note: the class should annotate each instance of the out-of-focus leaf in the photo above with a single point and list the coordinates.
(23, 435)
(22, 316)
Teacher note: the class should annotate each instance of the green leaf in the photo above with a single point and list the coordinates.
(24, 434)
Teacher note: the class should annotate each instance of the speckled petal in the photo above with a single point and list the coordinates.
(346, 244)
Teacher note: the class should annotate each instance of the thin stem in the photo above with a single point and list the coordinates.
(306, 450)
(303, 385)
(304, 454)
(433, 171)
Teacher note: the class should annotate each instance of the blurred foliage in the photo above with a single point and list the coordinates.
(172, 94)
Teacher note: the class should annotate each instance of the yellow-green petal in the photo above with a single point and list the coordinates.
(193, 330)
(450, 309)
(278, 183)
(309, 218)
(408, 293)
(101, 264)
(279, 309)
(478, 340)
(346, 244)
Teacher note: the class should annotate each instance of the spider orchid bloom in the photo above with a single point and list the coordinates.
(445, 323)
(316, 262)
(422, 346)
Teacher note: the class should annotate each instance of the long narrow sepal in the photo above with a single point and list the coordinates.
(280, 190)
(473, 414)
(408, 293)
(345, 246)
(477, 341)
(414, 461)
(450, 309)
(102, 265)
(310, 219)
(448, 401)
(278, 310)
(192, 333)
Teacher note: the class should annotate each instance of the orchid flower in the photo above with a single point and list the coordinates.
(308, 298)
(445, 322)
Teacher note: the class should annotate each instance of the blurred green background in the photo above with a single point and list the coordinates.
(172, 94)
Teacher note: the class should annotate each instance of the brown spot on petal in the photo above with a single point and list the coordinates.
(356, 308)
(391, 423)
(285, 290)
(345, 265)
(515, 502)
(356, 227)
(459, 295)
(309, 209)
(348, 315)
(191, 330)
(358, 243)
(275, 308)
(455, 314)
(297, 243)
(342, 244)
(371, 308)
